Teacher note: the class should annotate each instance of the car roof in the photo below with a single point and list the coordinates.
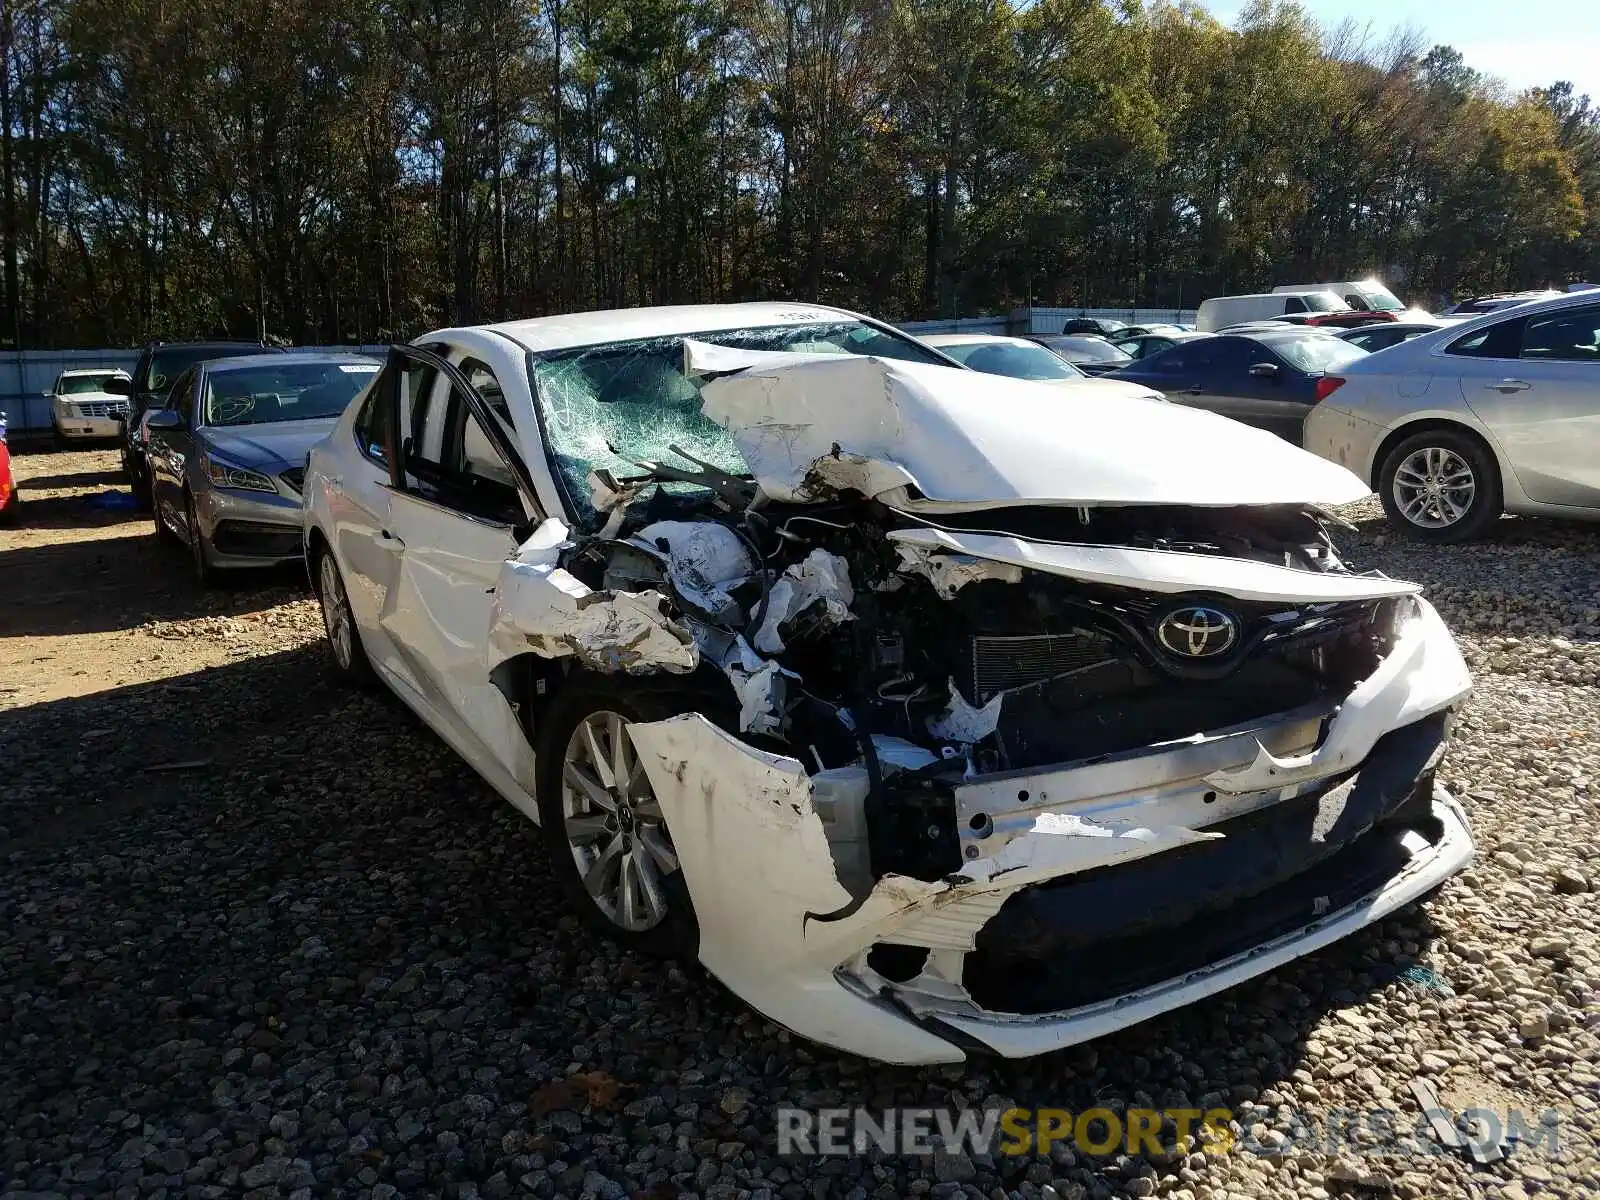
(571, 330)
(243, 362)
(1310, 291)
(80, 371)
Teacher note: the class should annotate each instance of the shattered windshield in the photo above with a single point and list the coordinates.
(612, 406)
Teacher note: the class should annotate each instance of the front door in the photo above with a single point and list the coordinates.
(456, 509)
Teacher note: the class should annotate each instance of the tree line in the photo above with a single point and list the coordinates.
(357, 170)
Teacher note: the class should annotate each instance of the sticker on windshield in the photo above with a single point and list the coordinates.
(359, 368)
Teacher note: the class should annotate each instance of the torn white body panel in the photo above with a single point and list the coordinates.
(1159, 570)
(928, 439)
(1423, 674)
(539, 606)
(963, 723)
(820, 576)
(703, 560)
(950, 572)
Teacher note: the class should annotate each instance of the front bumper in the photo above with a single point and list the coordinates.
(250, 529)
(72, 424)
(1286, 835)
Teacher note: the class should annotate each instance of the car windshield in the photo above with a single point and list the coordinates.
(1317, 354)
(291, 392)
(81, 385)
(614, 405)
(1092, 350)
(1012, 359)
(169, 362)
(1380, 299)
(1323, 302)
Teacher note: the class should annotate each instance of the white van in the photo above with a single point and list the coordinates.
(1222, 311)
(1366, 295)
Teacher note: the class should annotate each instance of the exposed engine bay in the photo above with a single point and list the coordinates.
(837, 643)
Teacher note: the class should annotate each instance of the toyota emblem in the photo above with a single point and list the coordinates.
(1197, 632)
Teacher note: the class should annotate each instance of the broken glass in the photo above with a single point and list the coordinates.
(612, 406)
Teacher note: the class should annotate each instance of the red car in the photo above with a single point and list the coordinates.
(8, 485)
(1349, 318)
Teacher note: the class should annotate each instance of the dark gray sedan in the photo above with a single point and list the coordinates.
(227, 455)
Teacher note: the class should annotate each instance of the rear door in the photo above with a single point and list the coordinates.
(1536, 385)
(460, 503)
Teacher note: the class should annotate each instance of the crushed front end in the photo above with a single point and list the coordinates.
(1007, 778)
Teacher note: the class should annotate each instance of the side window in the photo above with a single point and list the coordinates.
(483, 379)
(1498, 341)
(1179, 358)
(422, 419)
(181, 398)
(372, 422)
(1233, 355)
(1357, 301)
(1294, 304)
(1567, 336)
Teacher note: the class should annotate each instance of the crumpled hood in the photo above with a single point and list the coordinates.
(273, 444)
(929, 439)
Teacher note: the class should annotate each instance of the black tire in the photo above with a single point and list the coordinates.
(164, 535)
(11, 510)
(204, 573)
(350, 662)
(1460, 453)
(677, 933)
(143, 500)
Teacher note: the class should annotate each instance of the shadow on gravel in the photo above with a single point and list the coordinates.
(332, 924)
(107, 478)
(74, 512)
(99, 584)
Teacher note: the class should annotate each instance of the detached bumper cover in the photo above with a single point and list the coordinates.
(1276, 861)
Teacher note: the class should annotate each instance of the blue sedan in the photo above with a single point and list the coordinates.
(1269, 378)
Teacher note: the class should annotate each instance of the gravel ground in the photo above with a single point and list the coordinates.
(323, 960)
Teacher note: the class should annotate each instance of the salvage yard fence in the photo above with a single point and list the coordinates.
(26, 374)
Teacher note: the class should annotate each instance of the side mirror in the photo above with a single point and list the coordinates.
(165, 420)
(1264, 370)
(118, 386)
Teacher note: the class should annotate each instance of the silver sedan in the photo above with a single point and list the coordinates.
(227, 454)
(1498, 414)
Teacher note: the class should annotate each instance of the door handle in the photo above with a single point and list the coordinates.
(1507, 386)
(388, 541)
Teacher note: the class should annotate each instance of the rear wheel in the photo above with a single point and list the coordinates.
(1441, 485)
(603, 828)
(344, 639)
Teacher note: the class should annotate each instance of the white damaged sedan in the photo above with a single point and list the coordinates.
(934, 712)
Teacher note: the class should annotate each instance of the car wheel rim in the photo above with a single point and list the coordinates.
(335, 613)
(614, 824)
(1434, 487)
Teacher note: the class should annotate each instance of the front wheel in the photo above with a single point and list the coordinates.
(1441, 485)
(603, 828)
(205, 574)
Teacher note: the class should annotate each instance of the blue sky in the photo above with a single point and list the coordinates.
(1527, 43)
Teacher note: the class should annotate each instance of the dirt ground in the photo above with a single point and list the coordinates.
(91, 602)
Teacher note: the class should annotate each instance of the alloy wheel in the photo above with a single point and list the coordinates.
(614, 825)
(336, 613)
(1434, 487)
